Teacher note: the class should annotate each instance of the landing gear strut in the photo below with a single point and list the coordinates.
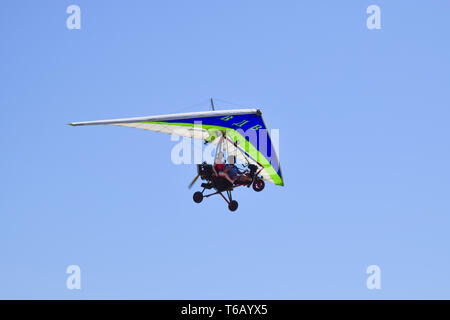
(232, 204)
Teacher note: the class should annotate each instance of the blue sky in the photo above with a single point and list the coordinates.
(363, 118)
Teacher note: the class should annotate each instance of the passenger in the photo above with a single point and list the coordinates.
(230, 171)
(233, 174)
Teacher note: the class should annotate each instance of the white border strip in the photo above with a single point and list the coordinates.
(167, 117)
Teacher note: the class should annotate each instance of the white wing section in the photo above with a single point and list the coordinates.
(190, 132)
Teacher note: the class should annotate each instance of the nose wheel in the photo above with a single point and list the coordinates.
(233, 205)
(258, 185)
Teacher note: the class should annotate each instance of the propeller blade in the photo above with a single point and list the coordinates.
(193, 181)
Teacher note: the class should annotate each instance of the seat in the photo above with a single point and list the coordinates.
(221, 183)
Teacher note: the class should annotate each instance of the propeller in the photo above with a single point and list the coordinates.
(193, 181)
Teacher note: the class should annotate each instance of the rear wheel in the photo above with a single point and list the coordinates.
(258, 185)
(198, 197)
(233, 205)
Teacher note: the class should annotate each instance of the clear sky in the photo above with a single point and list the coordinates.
(364, 148)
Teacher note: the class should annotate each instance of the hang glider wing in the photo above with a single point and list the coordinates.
(244, 134)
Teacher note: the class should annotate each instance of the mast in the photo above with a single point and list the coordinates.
(212, 104)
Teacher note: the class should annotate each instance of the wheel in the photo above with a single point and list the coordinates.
(233, 205)
(198, 197)
(258, 185)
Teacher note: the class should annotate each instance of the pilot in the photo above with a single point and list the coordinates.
(231, 172)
